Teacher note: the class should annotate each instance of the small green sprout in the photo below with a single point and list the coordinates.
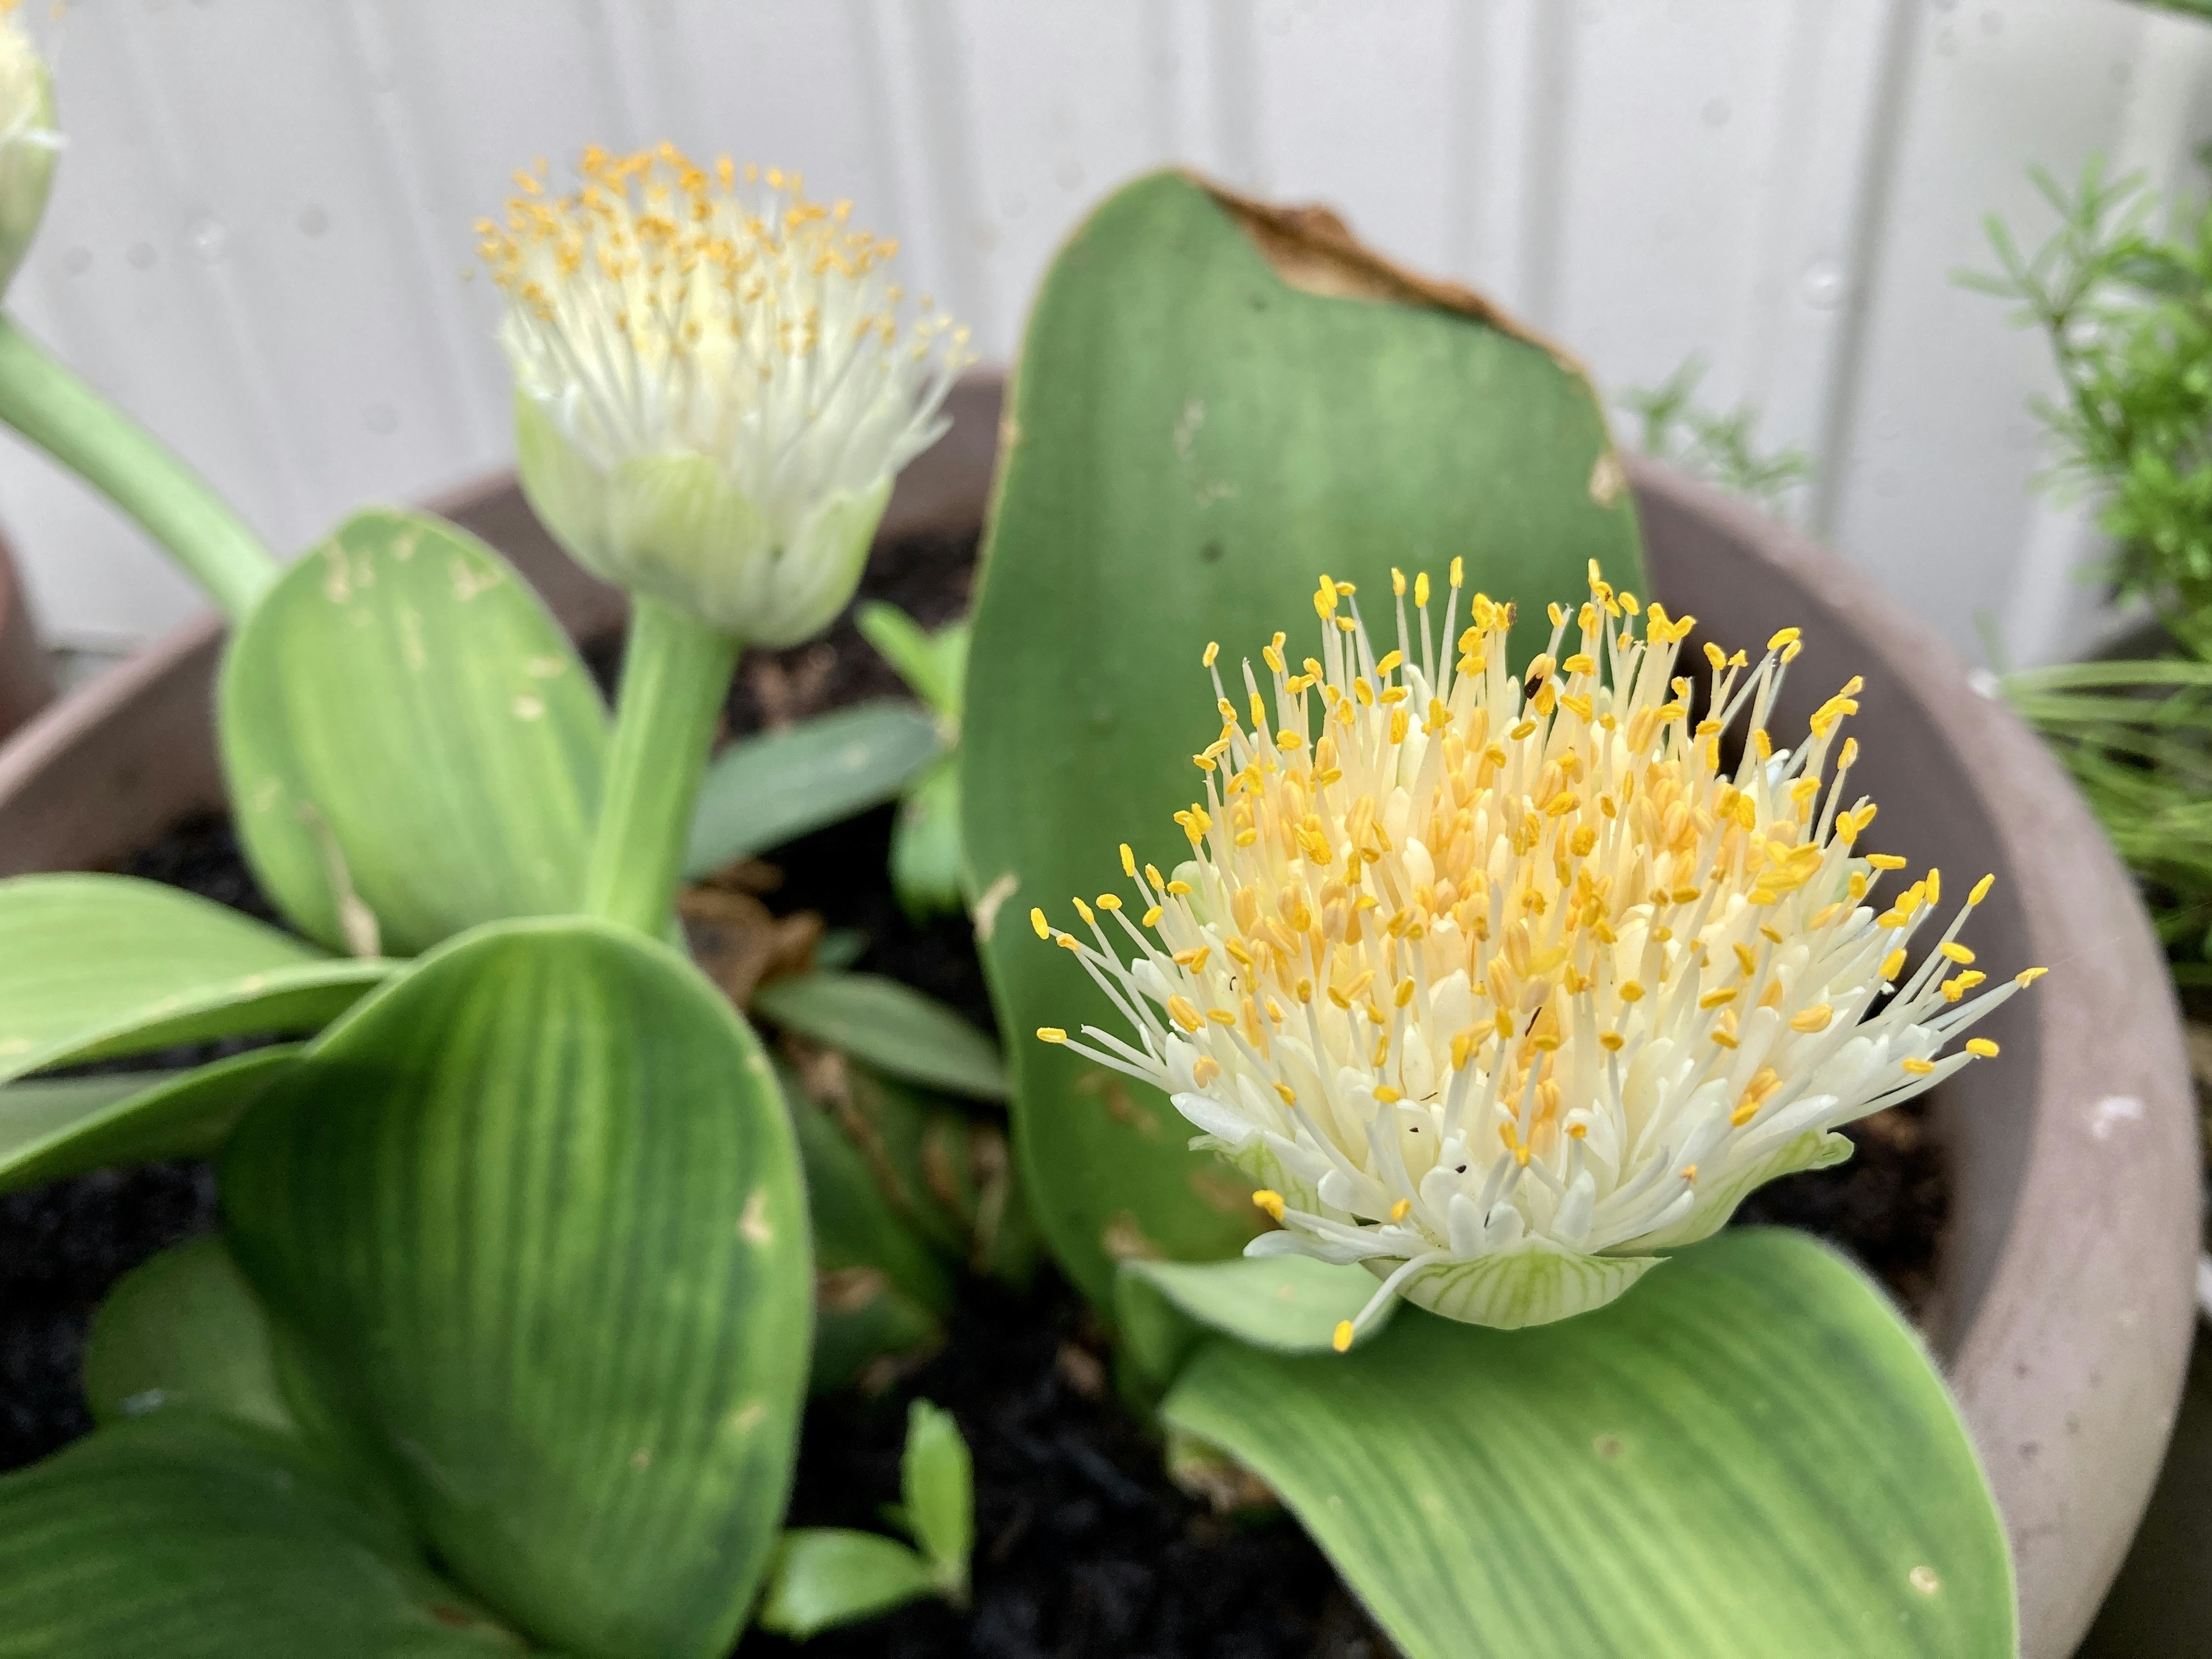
(824, 1577)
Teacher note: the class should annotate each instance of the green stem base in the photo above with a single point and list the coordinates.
(676, 674)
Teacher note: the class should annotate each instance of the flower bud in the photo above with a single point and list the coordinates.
(714, 389)
(28, 142)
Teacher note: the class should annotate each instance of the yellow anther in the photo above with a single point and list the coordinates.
(1128, 860)
(1919, 1068)
(1184, 1012)
(1051, 1034)
(1958, 953)
(1084, 910)
(2027, 976)
(1812, 1019)
(1893, 963)
(1459, 573)
(1884, 861)
(1044, 928)
(1108, 901)
(1213, 651)
(1981, 889)
(1981, 1047)
(1764, 1082)
(1269, 1200)
(1716, 999)
(1152, 916)
(1787, 636)
(1630, 991)
(1611, 1042)
(1401, 1209)
(1341, 1341)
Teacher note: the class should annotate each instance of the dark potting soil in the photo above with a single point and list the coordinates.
(1083, 1547)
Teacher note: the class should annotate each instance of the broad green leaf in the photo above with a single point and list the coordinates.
(185, 1536)
(890, 1026)
(409, 737)
(761, 792)
(50, 1131)
(1195, 434)
(880, 1292)
(937, 1479)
(534, 1216)
(98, 967)
(1285, 1303)
(183, 1331)
(1748, 1455)
(824, 1577)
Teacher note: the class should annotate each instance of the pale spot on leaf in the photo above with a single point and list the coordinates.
(749, 1417)
(529, 707)
(469, 581)
(753, 1226)
(1607, 479)
(1923, 1579)
(987, 906)
(641, 1459)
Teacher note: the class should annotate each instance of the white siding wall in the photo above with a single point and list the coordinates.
(259, 238)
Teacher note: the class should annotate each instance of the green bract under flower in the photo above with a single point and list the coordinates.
(28, 141)
(713, 388)
(1501, 986)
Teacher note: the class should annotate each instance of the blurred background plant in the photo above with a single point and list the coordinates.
(2122, 291)
(1721, 449)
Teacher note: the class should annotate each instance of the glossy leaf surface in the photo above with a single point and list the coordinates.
(188, 1537)
(1748, 1455)
(763, 791)
(824, 1577)
(53, 1130)
(183, 1331)
(1212, 408)
(890, 1026)
(410, 737)
(97, 967)
(937, 1478)
(1285, 1303)
(535, 1216)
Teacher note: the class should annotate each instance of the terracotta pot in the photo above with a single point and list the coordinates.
(26, 685)
(2065, 1283)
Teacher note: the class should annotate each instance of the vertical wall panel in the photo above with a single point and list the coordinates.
(1933, 470)
(260, 237)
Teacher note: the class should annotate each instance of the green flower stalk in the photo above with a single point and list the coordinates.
(41, 398)
(714, 391)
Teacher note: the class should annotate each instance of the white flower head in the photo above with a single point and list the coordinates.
(714, 385)
(1501, 985)
(29, 143)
